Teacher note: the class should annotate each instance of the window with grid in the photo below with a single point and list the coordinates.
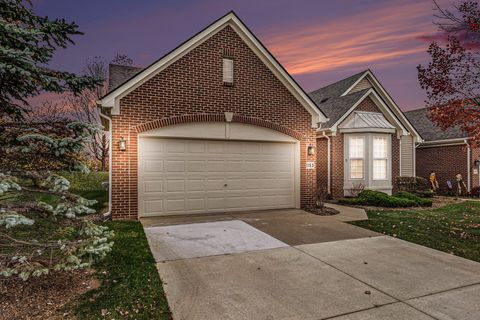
(380, 158)
(356, 154)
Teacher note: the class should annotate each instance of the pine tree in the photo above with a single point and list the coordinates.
(34, 152)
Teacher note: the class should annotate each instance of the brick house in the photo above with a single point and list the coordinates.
(444, 151)
(219, 125)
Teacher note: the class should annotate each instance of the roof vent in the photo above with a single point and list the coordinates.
(324, 100)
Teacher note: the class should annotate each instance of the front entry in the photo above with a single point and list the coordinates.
(368, 162)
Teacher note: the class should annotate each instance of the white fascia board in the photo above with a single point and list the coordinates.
(379, 102)
(355, 83)
(443, 142)
(112, 100)
(367, 130)
(346, 114)
(376, 84)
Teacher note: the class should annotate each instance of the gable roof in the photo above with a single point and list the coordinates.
(111, 99)
(335, 89)
(429, 130)
(338, 99)
(118, 74)
(334, 107)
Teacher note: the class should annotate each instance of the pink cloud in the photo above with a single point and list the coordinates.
(379, 35)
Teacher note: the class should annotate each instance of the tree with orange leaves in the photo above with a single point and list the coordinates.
(452, 77)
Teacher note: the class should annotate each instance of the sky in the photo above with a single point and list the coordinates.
(317, 41)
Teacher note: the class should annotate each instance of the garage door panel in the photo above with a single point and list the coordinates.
(153, 186)
(196, 176)
(153, 206)
(153, 166)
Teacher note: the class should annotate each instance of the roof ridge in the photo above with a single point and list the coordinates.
(338, 81)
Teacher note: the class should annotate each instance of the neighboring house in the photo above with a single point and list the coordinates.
(219, 125)
(444, 151)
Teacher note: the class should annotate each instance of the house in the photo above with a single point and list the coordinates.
(444, 151)
(218, 125)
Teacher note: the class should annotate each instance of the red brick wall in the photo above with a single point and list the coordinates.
(337, 157)
(193, 85)
(446, 161)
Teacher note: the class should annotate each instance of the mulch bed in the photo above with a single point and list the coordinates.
(44, 297)
(321, 211)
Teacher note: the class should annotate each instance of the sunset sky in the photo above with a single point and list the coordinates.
(318, 42)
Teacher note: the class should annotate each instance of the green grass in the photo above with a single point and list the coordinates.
(89, 186)
(130, 285)
(453, 228)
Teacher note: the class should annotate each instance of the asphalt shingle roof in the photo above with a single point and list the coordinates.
(429, 130)
(118, 74)
(330, 101)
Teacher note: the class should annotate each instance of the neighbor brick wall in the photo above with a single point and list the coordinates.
(337, 156)
(193, 85)
(446, 161)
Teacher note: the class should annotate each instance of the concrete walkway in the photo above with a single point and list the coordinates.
(288, 264)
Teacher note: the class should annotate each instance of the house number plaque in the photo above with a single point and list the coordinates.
(310, 165)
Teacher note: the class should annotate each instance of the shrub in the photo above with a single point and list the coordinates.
(418, 200)
(475, 192)
(381, 199)
(411, 184)
(424, 194)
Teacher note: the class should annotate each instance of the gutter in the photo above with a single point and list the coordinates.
(468, 166)
(109, 213)
(443, 142)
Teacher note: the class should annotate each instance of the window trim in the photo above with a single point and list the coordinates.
(363, 138)
(387, 158)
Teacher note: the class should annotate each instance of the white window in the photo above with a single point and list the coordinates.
(356, 149)
(380, 158)
(227, 71)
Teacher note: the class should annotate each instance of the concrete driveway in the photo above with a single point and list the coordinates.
(289, 264)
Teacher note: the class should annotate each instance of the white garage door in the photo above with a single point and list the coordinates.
(199, 176)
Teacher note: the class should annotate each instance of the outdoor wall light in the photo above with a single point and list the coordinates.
(476, 163)
(122, 144)
(311, 150)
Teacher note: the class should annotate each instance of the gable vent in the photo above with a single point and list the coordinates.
(228, 71)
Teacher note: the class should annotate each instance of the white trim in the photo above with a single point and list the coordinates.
(394, 108)
(469, 169)
(379, 102)
(414, 157)
(329, 156)
(380, 130)
(112, 99)
(400, 157)
(443, 142)
(110, 150)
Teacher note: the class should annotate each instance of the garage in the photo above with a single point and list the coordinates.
(184, 175)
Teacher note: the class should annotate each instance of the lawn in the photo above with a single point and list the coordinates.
(130, 287)
(454, 228)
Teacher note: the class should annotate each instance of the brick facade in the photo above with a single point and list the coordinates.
(192, 88)
(337, 156)
(446, 161)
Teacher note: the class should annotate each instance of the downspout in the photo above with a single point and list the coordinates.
(468, 166)
(328, 162)
(109, 213)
